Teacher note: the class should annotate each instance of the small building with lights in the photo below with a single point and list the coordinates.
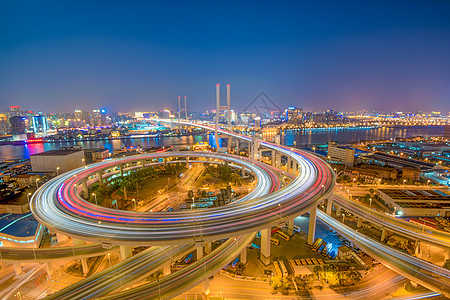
(20, 230)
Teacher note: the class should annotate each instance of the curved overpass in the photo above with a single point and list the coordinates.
(59, 206)
(400, 227)
(314, 181)
(60, 198)
(427, 274)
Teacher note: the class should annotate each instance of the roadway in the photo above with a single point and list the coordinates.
(389, 222)
(424, 273)
(59, 206)
(135, 268)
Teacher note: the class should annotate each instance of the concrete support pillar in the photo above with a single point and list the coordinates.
(244, 255)
(49, 267)
(274, 158)
(78, 242)
(121, 170)
(243, 171)
(237, 147)
(143, 164)
(84, 266)
(296, 168)
(278, 163)
(417, 248)
(359, 224)
(208, 247)
(312, 225)
(100, 177)
(329, 205)
(205, 289)
(199, 251)
(166, 270)
(230, 141)
(125, 252)
(254, 147)
(165, 162)
(338, 210)
(187, 162)
(85, 189)
(260, 156)
(288, 165)
(265, 246)
(383, 234)
(290, 227)
(18, 269)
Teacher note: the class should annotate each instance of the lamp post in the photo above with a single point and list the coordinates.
(370, 202)
(343, 218)
(404, 180)
(37, 180)
(428, 181)
(57, 171)
(95, 197)
(134, 200)
(28, 197)
(395, 210)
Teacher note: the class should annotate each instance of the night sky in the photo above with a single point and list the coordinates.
(57, 56)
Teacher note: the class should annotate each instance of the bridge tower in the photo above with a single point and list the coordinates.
(220, 108)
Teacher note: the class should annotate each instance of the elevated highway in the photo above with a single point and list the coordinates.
(389, 222)
(426, 274)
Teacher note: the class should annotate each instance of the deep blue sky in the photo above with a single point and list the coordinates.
(140, 55)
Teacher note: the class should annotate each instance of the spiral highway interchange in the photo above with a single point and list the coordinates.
(59, 206)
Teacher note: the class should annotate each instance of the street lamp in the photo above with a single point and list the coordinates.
(28, 197)
(57, 171)
(395, 210)
(428, 181)
(343, 218)
(404, 180)
(370, 201)
(37, 179)
(134, 200)
(95, 197)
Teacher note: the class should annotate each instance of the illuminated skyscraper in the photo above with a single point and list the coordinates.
(40, 124)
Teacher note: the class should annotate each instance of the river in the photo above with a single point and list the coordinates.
(302, 138)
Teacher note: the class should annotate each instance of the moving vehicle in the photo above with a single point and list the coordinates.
(283, 235)
(274, 241)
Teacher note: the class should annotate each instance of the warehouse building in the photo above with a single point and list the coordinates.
(417, 202)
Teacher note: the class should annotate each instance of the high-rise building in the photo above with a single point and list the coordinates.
(343, 155)
(17, 124)
(293, 115)
(40, 124)
(4, 125)
(14, 110)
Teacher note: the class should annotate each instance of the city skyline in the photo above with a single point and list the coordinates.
(140, 57)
